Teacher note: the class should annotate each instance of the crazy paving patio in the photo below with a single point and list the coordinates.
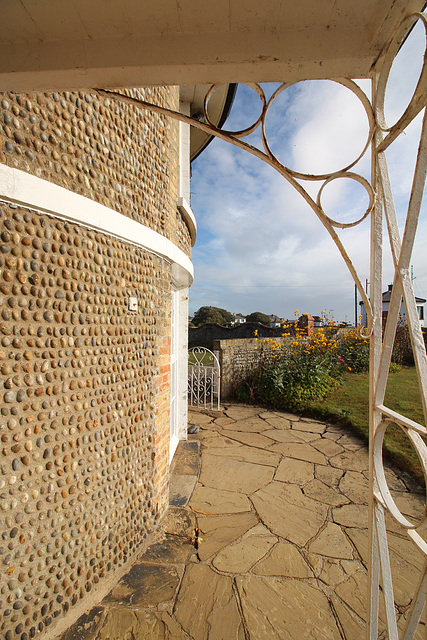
(266, 538)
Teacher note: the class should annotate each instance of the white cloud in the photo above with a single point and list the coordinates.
(326, 127)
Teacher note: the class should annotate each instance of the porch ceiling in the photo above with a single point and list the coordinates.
(75, 43)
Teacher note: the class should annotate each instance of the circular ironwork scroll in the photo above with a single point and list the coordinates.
(361, 180)
(354, 88)
(420, 89)
(242, 132)
(383, 488)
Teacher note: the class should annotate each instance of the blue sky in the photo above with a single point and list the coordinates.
(260, 247)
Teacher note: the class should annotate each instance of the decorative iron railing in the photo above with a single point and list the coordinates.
(203, 379)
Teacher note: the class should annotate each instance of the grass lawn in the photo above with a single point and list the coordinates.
(349, 406)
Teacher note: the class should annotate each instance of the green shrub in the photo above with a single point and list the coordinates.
(402, 348)
(285, 388)
(353, 352)
(303, 370)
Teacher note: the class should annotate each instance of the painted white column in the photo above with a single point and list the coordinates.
(180, 411)
(183, 363)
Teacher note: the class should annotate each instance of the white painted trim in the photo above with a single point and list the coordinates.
(19, 187)
(188, 215)
(174, 373)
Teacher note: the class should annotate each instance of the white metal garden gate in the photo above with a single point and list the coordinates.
(204, 379)
(381, 209)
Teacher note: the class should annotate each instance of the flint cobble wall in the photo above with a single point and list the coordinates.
(239, 356)
(110, 151)
(83, 413)
(84, 425)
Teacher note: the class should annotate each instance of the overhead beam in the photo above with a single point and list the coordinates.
(184, 59)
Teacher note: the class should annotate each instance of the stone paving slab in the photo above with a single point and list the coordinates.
(277, 608)
(274, 420)
(320, 491)
(289, 513)
(290, 435)
(244, 453)
(242, 555)
(207, 606)
(252, 439)
(265, 539)
(209, 501)
(248, 425)
(284, 560)
(145, 585)
(300, 451)
(297, 472)
(234, 475)
(217, 532)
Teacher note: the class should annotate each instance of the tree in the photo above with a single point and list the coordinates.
(257, 316)
(212, 314)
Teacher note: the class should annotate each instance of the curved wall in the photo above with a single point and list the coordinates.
(120, 156)
(84, 422)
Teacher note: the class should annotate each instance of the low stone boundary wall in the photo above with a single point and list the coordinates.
(238, 357)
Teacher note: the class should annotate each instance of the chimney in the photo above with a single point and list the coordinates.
(390, 287)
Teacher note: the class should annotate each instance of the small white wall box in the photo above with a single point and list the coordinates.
(133, 303)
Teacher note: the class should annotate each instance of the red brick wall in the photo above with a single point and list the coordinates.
(162, 423)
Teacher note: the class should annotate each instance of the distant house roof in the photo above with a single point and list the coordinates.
(387, 296)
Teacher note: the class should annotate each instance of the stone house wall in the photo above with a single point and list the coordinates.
(84, 425)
